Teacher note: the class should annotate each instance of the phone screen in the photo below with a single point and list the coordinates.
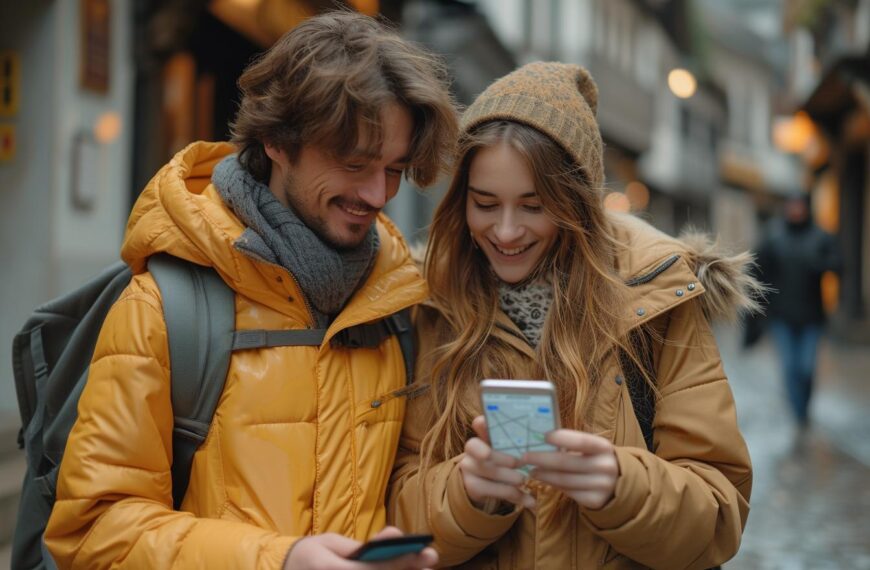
(518, 423)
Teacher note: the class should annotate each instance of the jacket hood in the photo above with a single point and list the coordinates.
(181, 213)
(730, 289)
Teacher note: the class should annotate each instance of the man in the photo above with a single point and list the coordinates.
(302, 442)
(792, 258)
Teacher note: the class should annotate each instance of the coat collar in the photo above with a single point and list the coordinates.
(658, 288)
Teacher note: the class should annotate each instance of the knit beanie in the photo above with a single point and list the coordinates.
(557, 99)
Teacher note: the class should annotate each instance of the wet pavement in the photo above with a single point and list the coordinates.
(811, 491)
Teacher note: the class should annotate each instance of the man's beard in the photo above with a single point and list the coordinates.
(316, 224)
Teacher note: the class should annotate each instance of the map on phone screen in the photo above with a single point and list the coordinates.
(518, 423)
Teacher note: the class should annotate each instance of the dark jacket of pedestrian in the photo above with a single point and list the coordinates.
(792, 258)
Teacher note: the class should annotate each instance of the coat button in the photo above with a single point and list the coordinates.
(618, 380)
(691, 287)
(290, 298)
(376, 404)
(279, 279)
(640, 312)
(680, 293)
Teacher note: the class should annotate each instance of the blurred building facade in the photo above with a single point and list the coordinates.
(751, 69)
(68, 68)
(830, 85)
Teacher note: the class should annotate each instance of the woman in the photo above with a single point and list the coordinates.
(530, 278)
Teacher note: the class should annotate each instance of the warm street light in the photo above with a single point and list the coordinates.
(682, 83)
(794, 134)
(108, 127)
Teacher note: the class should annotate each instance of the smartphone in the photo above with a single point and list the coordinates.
(389, 548)
(519, 414)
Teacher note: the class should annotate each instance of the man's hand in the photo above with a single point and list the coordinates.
(584, 468)
(489, 474)
(330, 552)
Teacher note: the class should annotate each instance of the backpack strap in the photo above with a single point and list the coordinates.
(37, 369)
(370, 335)
(256, 338)
(404, 331)
(366, 335)
(199, 310)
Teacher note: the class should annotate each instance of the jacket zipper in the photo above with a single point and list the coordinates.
(302, 293)
(647, 277)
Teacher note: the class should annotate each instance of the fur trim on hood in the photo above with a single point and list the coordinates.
(732, 289)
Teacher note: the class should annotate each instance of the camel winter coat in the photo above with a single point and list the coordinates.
(684, 506)
(296, 446)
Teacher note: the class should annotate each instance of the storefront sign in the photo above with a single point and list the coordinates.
(95, 52)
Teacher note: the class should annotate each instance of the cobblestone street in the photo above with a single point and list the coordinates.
(811, 493)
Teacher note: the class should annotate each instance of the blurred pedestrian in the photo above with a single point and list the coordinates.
(530, 277)
(298, 456)
(792, 257)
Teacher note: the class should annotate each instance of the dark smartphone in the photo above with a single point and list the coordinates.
(389, 548)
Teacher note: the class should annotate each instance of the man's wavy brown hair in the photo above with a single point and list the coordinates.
(325, 82)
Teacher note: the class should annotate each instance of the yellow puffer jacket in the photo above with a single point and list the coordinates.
(296, 446)
(684, 506)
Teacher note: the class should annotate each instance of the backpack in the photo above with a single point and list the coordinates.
(51, 356)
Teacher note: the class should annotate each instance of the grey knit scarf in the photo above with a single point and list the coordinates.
(328, 277)
(527, 306)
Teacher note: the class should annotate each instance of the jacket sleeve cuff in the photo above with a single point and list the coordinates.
(629, 497)
(275, 553)
(473, 521)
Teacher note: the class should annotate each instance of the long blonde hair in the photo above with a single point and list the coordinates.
(584, 320)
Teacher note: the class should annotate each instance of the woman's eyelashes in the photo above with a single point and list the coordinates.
(486, 207)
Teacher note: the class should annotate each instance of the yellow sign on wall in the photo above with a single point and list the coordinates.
(7, 142)
(10, 83)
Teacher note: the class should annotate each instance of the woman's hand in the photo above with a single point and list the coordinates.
(488, 474)
(584, 468)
